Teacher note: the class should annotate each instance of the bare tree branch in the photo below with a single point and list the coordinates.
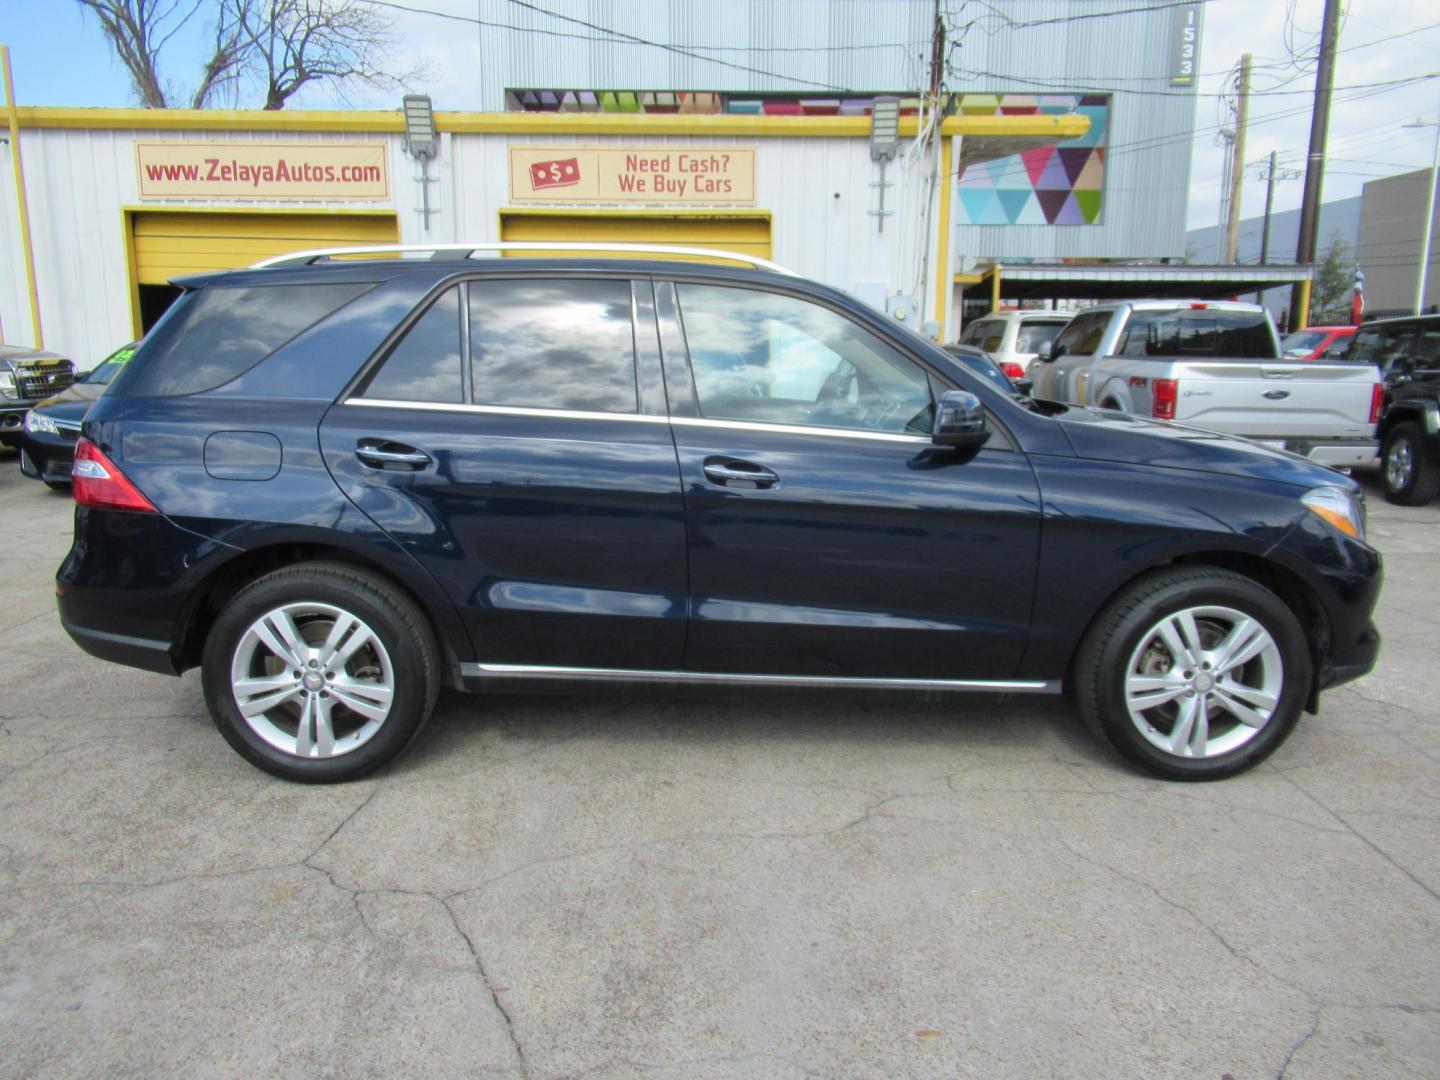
(284, 45)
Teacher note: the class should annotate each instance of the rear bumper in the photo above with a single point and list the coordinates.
(147, 653)
(1333, 453)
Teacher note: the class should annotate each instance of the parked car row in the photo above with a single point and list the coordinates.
(1343, 396)
(27, 377)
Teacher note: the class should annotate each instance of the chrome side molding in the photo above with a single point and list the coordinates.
(842, 682)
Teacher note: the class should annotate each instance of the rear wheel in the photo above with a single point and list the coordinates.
(1194, 674)
(320, 672)
(1411, 478)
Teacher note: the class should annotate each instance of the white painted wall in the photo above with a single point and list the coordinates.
(818, 191)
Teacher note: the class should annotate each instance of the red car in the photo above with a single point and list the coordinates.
(1317, 343)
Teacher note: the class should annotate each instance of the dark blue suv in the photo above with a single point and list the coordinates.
(338, 486)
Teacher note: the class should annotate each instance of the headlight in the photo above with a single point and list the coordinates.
(36, 421)
(7, 385)
(1340, 508)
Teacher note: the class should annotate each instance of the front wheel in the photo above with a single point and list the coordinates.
(1194, 674)
(1411, 478)
(320, 672)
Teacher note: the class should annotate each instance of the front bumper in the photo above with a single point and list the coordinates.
(12, 421)
(52, 457)
(1332, 453)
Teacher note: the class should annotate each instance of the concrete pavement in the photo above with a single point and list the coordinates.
(604, 887)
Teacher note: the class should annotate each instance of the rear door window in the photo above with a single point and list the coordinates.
(426, 364)
(987, 334)
(553, 344)
(215, 334)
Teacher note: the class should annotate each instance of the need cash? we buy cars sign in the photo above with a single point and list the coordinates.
(256, 170)
(654, 175)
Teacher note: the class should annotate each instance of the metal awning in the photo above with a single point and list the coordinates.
(1031, 281)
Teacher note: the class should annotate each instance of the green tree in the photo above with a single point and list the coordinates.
(1333, 277)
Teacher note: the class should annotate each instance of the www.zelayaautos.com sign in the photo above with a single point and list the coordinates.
(252, 170)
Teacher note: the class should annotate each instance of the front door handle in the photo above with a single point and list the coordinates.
(728, 471)
(380, 454)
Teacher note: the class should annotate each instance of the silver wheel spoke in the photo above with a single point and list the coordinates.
(1147, 691)
(1180, 737)
(370, 700)
(260, 701)
(1242, 712)
(1247, 641)
(280, 635)
(1260, 699)
(343, 625)
(324, 729)
(1179, 650)
(361, 637)
(305, 733)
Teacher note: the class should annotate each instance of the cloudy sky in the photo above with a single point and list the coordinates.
(61, 58)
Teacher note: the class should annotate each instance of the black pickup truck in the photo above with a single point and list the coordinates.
(27, 376)
(1407, 351)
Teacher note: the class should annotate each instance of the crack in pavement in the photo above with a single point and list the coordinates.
(490, 986)
(1355, 832)
(1295, 1048)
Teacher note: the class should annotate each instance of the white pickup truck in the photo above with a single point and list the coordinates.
(1213, 365)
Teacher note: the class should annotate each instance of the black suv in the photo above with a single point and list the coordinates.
(1407, 351)
(337, 486)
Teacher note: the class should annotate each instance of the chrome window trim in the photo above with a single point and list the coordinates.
(592, 674)
(504, 410)
(643, 418)
(798, 429)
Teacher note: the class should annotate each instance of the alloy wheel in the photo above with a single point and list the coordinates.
(1203, 681)
(1399, 461)
(312, 680)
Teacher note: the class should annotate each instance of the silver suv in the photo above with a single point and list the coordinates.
(1013, 338)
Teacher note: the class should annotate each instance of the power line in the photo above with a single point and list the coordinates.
(677, 50)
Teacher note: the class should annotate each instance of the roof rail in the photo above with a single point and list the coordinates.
(307, 258)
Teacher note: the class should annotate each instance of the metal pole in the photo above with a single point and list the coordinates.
(1315, 160)
(1269, 205)
(1237, 170)
(1424, 267)
(25, 243)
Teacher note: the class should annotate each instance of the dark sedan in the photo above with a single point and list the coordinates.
(47, 440)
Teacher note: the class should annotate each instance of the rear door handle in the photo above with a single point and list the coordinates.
(380, 453)
(727, 471)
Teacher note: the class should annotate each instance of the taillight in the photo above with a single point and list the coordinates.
(1377, 402)
(1012, 370)
(97, 481)
(1164, 394)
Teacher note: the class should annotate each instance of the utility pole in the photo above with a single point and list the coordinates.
(1269, 205)
(1315, 161)
(1237, 169)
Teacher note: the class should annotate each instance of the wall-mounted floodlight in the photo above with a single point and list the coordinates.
(419, 126)
(884, 128)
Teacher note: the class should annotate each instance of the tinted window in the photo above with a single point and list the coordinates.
(765, 357)
(210, 336)
(985, 334)
(1082, 336)
(425, 365)
(1034, 332)
(984, 367)
(1367, 345)
(1201, 332)
(553, 345)
(1427, 347)
(111, 366)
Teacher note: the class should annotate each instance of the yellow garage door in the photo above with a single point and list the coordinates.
(747, 234)
(168, 245)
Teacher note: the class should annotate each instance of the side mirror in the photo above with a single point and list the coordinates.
(959, 420)
(1047, 351)
(1335, 354)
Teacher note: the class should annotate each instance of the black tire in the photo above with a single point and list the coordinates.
(1411, 479)
(1100, 670)
(396, 621)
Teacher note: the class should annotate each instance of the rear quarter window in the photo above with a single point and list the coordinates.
(214, 334)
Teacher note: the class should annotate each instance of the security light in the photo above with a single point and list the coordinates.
(419, 126)
(884, 128)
